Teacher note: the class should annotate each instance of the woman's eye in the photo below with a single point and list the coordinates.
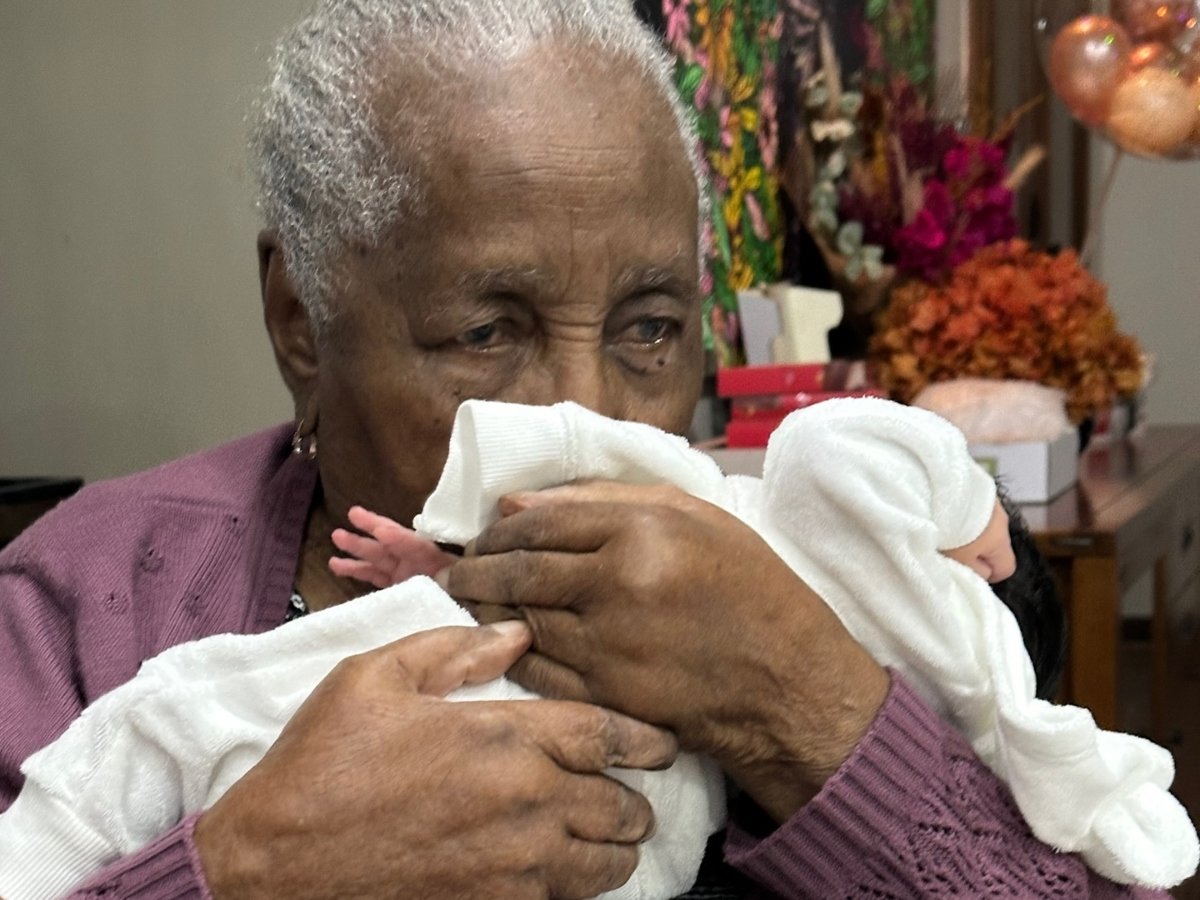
(481, 335)
(653, 330)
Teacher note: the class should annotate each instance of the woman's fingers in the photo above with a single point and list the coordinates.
(549, 678)
(569, 527)
(556, 677)
(442, 660)
(604, 810)
(606, 821)
(589, 739)
(578, 737)
(592, 868)
(592, 491)
(575, 518)
(517, 577)
(521, 810)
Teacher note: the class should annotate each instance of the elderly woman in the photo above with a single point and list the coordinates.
(493, 198)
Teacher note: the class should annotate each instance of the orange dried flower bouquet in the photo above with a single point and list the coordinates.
(1009, 312)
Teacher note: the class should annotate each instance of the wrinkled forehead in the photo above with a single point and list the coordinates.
(547, 105)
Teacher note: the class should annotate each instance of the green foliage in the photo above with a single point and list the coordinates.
(905, 29)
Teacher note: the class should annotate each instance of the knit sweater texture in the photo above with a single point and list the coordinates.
(208, 544)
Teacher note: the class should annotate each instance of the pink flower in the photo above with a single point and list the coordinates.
(768, 119)
(678, 23)
(775, 27)
(958, 162)
(726, 131)
(704, 89)
(989, 215)
(758, 221)
(708, 236)
(920, 245)
(938, 202)
(975, 161)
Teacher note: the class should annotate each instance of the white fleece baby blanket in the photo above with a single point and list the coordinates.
(858, 496)
(198, 716)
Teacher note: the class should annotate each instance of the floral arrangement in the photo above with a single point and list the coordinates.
(726, 54)
(1009, 312)
(887, 188)
(929, 196)
(893, 185)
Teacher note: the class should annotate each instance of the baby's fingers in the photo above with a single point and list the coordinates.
(359, 571)
(380, 527)
(360, 547)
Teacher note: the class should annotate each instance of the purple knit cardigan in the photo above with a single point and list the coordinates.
(208, 544)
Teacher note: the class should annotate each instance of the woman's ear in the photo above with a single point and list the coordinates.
(288, 325)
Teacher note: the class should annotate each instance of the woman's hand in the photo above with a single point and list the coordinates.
(386, 553)
(658, 604)
(380, 788)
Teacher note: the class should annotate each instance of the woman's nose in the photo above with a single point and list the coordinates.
(581, 378)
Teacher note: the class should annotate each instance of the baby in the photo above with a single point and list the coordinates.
(879, 508)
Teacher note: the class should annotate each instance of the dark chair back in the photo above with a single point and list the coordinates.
(22, 500)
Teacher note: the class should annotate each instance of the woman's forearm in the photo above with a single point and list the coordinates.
(912, 806)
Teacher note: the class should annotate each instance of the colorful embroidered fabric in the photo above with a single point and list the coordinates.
(726, 57)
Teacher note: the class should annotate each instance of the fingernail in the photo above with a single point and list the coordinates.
(510, 628)
(442, 578)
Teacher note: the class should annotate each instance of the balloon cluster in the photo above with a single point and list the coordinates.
(1131, 69)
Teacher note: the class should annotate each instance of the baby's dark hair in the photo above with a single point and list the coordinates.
(1031, 595)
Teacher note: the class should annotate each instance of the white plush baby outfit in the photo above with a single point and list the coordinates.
(857, 497)
(197, 716)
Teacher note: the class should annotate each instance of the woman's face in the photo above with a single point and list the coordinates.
(556, 260)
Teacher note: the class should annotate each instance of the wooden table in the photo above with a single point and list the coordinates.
(1135, 510)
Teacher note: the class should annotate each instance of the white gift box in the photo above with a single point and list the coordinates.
(1032, 471)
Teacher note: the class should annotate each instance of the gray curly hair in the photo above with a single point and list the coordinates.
(329, 181)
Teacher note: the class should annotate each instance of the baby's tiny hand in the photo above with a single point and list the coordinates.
(386, 554)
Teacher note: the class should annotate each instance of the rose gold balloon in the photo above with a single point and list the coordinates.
(1152, 54)
(1088, 60)
(1153, 113)
(1153, 20)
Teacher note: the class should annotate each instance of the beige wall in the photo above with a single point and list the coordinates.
(1150, 258)
(129, 320)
